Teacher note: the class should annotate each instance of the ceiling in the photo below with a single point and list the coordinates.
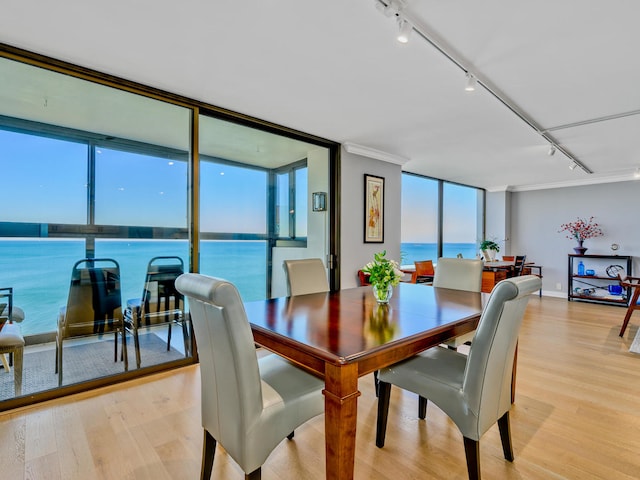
(565, 72)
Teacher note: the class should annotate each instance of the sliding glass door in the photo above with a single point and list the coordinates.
(93, 168)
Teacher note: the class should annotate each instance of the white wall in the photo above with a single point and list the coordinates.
(498, 221)
(536, 217)
(354, 252)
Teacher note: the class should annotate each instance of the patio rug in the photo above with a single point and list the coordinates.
(635, 346)
(83, 362)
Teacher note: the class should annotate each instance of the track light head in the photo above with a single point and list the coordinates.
(471, 83)
(573, 166)
(636, 174)
(552, 150)
(389, 8)
(405, 29)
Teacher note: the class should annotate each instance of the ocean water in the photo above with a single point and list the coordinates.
(39, 270)
(412, 252)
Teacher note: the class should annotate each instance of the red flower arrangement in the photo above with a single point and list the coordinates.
(581, 229)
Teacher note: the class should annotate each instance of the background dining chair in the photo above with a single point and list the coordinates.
(363, 278)
(459, 274)
(304, 276)
(473, 390)
(160, 304)
(94, 306)
(518, 265)
(424, 272)
(248, 405)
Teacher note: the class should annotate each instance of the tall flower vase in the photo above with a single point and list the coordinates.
(580, 250)
(382, 294)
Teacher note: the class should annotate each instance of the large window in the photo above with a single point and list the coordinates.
(461, 222)
(92, 171)
(439, 219)
(88, 171)
(419, 234)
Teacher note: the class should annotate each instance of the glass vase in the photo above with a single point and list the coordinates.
(382, 293)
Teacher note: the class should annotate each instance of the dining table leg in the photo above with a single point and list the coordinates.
(340, 409)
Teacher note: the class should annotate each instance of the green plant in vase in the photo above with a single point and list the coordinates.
(489, 249)
(384, 274)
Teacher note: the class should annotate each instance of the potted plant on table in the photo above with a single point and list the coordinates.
(489, 249)
(384, 274)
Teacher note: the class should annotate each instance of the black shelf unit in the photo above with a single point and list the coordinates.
(598, 282)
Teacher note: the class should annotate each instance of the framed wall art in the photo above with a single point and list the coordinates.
(373, 209)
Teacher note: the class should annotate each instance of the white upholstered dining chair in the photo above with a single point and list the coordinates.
(459, 274)
(249, 405)
(307, 275)
(473, 390)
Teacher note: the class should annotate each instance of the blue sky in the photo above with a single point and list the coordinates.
(134, 189)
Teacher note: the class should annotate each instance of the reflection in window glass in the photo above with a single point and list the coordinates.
(460, 220)
(141, 190)
(419, 231)
(232, 199)
(43, 180)
(133, 257)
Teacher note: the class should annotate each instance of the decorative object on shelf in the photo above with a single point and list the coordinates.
(614, 247)
(580, 230)
(581, 268)
(590, 273)
(384, 274)
(580, 249)
(615, 289)
(615, 271)
(489, 249)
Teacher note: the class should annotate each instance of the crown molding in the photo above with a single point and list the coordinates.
(373, 153)
(570, 183)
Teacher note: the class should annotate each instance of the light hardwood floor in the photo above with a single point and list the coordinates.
(576, 416)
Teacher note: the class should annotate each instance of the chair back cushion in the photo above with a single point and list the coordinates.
(459, 274)
(231, 386)
(305, 276)
(94, 304)
(161, 302)
(518, 265)
(487, 377)
(424, 268)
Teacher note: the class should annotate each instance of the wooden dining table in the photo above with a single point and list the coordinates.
(344, 335)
